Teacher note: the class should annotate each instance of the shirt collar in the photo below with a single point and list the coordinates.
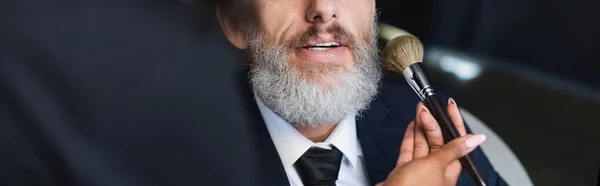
(290, 144)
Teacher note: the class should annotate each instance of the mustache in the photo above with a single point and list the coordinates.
(338, 32)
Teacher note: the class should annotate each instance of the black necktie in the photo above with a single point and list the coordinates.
(319, 166)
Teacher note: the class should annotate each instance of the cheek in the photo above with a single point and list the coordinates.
(359, 16)
(367, 16)
(277, 18)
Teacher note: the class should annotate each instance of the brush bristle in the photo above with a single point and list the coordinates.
(401, 52)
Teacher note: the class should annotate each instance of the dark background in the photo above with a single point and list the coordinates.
(539, 85)
(558, 37)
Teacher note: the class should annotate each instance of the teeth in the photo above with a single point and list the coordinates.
(328, 44)
(323, 46)
(319, 48)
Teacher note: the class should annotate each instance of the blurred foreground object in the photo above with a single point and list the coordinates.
(135, 93)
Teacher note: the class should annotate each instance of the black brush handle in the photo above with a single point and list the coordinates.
(450, 132)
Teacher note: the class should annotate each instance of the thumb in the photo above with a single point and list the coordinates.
(458, 148)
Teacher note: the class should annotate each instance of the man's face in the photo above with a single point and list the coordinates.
(317, 32)
(313, 61)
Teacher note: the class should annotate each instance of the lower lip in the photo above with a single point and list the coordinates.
(327, 56)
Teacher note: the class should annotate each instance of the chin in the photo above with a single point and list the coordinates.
(327, 82)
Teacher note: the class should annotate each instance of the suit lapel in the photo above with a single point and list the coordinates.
(269, 169)
(381, 129)
(376, 160)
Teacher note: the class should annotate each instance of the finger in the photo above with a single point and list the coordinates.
(458, 148)
(457, 119)
(421, 146)
(406, 150)
(433, 132)
(453, 169)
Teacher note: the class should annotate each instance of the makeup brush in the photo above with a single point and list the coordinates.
(404, 55)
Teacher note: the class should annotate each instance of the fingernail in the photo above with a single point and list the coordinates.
(451, 101)
(423, 108)
(474, 140)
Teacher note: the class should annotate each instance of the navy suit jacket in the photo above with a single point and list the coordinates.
(380, 131)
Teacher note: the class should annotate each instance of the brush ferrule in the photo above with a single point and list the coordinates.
(416, 78)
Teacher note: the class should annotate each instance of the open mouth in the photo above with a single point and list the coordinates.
(322, 46)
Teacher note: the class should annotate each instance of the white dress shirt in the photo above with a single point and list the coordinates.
(290, 145)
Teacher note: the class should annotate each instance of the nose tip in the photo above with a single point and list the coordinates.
(322, 11)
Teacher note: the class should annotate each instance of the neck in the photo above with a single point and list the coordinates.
(317, 134)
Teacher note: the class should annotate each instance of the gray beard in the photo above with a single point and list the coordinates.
(305, 101)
